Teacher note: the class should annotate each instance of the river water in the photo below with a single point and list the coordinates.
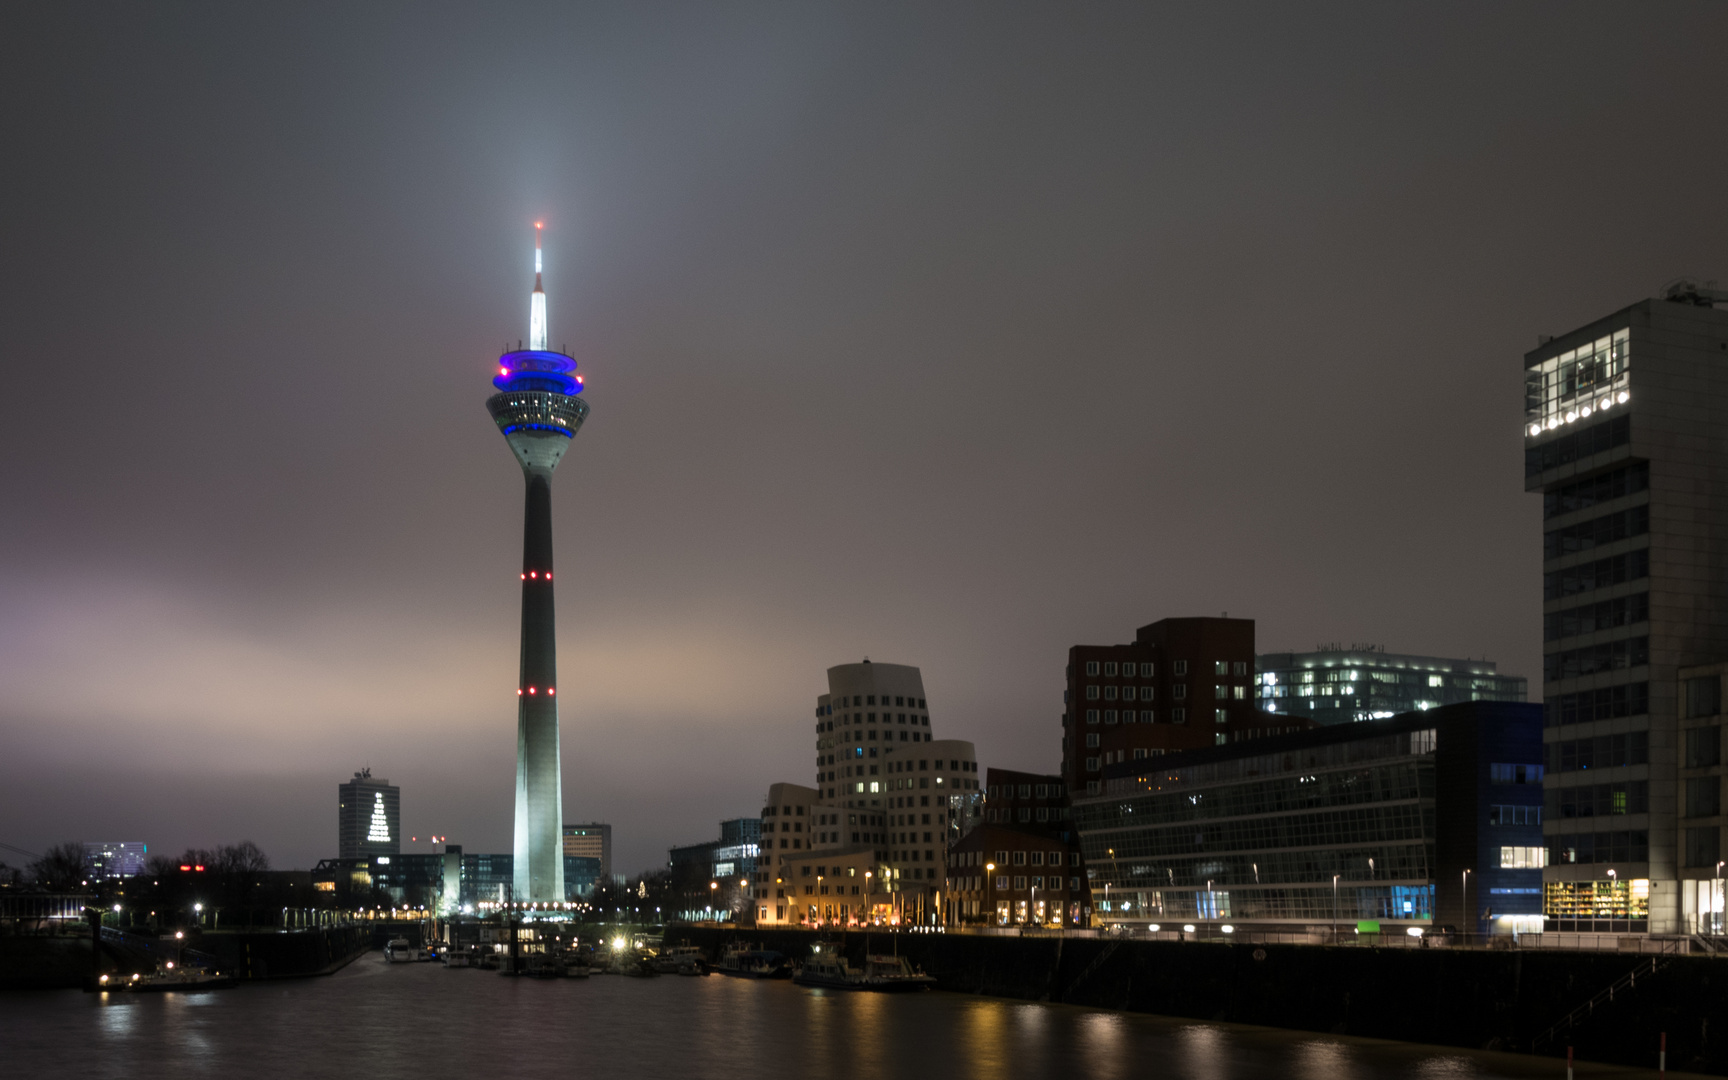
(423, 1021)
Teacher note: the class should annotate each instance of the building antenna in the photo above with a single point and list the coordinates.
(537, 301)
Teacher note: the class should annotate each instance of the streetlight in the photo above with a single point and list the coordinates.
(1334, 909)
(990, 882)
(1464, 896)
(1716, 902)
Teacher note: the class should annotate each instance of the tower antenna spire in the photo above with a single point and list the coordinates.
(537, 301)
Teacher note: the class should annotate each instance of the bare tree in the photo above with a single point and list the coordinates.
(60, 867)
(244, 857)
(199, 857)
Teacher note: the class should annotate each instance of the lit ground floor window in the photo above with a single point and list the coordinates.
(1597, 906)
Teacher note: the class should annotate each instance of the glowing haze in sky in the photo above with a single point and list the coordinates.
(950, 335)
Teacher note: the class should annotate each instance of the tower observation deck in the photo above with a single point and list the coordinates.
(538, 409)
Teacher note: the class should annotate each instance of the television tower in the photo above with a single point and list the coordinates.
(538, 410)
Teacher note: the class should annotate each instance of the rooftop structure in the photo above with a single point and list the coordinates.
(1338, 685)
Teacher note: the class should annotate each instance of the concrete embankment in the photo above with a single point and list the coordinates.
(1497, 1000)
(63, 962)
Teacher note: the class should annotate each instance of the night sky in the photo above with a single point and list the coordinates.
(947, 335)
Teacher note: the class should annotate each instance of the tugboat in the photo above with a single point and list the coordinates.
(884, 974)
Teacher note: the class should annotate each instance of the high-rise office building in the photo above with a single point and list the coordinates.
(590, 840)
(106, 860)
(537, 409)
(369, 817)
(1181, 684)
(1340, 686)
(1624, 438)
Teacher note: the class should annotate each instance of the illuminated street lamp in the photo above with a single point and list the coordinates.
(990, 882)
(1335, 908)
(1464, 895)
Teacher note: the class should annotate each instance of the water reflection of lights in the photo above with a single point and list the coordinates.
(1103, 1045)
(983, 1050)
(1323, 1061)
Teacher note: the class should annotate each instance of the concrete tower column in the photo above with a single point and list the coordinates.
(539, 413)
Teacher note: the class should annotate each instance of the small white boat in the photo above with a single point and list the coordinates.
(401, 951)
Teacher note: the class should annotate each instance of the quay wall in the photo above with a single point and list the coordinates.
(62, 961)
(1451, 997)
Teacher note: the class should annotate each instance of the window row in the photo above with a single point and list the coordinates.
(1703, 747)
(1523, 858)
(1703, 696)
(1595, 533)
(1004, 857)
(859, 700)
(1608, 703)
(1594, 439)
(1703, 796)
(1583, 494)
(1585, 577)
(1401, 861)
(1021, 882)
(1603, 847)
(1603, 615)
(1500, 772)
(1601, 752)
(1576, 381)
(1178, 715)
(1128, 693)
(1595, 659)
(1391, 782)
(1110, 667)
(1598, 800)
(1007, 815)
(1026, 791)
(1514, 814)
(870, 718)
(1333, 827)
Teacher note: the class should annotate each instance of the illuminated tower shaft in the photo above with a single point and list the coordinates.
(539, 413)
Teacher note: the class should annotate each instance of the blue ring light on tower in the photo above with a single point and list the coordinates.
(537, 369)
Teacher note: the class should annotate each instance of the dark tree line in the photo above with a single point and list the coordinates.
(61, 867)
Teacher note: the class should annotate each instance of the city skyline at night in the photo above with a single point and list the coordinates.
(935, 335)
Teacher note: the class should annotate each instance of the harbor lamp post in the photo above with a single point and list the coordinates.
(990, 894)
(1334, 909)
(1716, 904)
(1464, 899)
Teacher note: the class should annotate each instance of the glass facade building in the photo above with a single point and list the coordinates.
(1340, 686)
(1420, 820)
